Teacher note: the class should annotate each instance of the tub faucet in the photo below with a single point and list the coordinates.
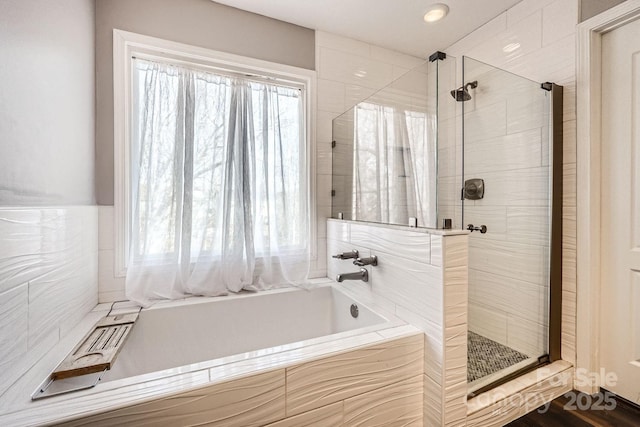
(363, 275)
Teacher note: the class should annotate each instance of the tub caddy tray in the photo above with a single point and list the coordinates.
(99, 348)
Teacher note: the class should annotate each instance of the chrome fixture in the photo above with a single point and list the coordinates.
(353, 254)
(462, 93)
(473, 189)
(482, 229)
(355, 312)
(363, 275)
(361, 262)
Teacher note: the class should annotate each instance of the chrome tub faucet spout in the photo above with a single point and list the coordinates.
(363, 275)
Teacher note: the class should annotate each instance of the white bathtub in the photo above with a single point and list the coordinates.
(181, 345)
(202, 329)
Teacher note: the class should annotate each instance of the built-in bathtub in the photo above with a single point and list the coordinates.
(186, 345)
(198, 330)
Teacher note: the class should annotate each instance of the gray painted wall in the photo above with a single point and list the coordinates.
(47, 101)
(196, 22)
(589, 8)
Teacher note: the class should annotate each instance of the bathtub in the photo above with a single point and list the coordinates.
(174, 335)
(184, 345)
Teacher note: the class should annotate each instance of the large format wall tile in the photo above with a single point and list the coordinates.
(252, 401)
(331, 379)
(404, 243)
(327, 416)
(398, 404)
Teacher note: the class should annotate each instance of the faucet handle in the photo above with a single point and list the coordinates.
(361, 262)
(347, 255)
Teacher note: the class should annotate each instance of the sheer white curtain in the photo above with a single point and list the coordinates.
(219, 185)
(394, 165)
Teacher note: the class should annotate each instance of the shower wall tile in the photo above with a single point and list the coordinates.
(521, 150)
(508, 296)
(512, 260)
(487, 322)
(528, 225)
(48, 280)
(526, 336)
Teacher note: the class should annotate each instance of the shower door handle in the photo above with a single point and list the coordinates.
(482, 229)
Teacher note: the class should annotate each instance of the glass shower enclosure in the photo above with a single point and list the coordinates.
(508, 205)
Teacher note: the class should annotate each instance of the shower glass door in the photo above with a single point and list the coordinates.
(506, 181)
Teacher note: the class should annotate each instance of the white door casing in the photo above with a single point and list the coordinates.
(608, 199)
(620, 209)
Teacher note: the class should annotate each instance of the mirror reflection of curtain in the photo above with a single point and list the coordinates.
(219, 183)
(394, 165)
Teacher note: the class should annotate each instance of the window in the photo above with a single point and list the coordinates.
(216, 166)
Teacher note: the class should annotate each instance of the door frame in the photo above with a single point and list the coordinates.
(588, 114)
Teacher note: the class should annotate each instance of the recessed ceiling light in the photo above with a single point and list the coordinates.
(436, 12)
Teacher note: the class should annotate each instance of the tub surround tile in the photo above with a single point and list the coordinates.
(250, 401)
(416, 286)
(329, 416)
(331, 379)
(403, 243)
(14, 317)
(158, 387)
(437, 286)
(398, 404)
(436, 251)
(48, 280)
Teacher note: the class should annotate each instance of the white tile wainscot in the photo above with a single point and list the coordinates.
(421, 277)
(48, 282)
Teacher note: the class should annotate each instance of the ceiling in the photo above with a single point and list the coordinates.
(394, 24)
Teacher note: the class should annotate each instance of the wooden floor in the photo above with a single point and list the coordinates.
(565, 412)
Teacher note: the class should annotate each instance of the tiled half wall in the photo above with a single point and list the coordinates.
(421, 276)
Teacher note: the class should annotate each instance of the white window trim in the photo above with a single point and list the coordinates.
(127, 45)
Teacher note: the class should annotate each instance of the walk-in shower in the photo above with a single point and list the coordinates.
(508, 145)
(462, 144)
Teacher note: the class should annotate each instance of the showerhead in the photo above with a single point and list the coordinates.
(462, 93)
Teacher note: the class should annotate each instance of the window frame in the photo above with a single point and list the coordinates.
(126, 46)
